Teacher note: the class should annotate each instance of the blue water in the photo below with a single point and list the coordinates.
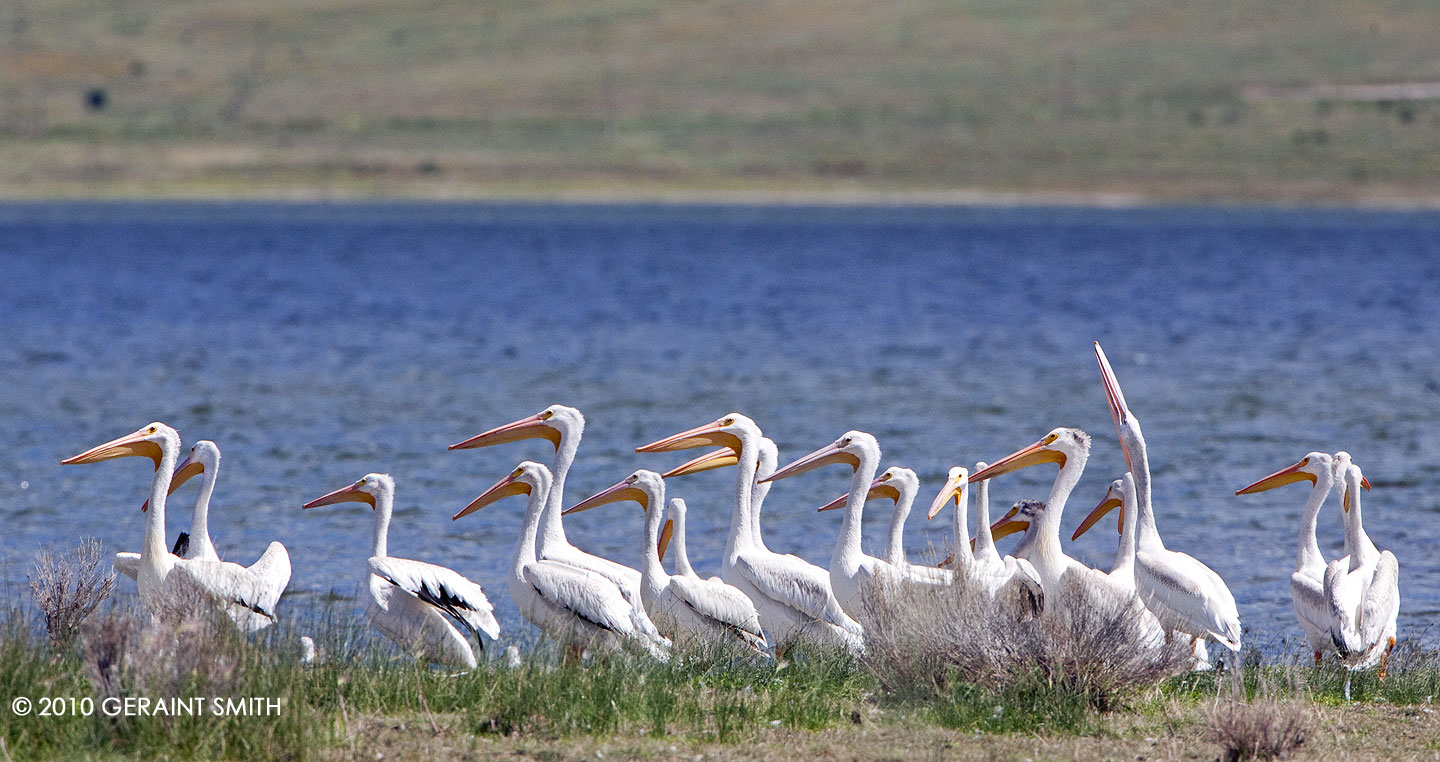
(318, 342)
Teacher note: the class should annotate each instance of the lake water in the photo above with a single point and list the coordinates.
(318, 342)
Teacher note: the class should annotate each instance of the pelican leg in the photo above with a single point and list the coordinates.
(1385, 660)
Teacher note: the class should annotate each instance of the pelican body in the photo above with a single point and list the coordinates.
(169, 585)
(581, 609)
(405, 600)
(793, 597)
(981, 569)
(1363, 588)
(686, 608)
(900, 485)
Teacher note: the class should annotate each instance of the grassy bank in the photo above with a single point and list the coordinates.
(1117, 100)
(365, 700)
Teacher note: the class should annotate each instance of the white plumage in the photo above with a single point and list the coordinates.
(1363, 588)
(406, 600)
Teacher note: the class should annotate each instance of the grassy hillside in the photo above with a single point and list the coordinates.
(1160, 98)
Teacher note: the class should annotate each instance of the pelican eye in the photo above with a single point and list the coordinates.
(517, 472)
(151, 430)
(728, 422)
(1049, 438)
(547, 415)
(885, 477)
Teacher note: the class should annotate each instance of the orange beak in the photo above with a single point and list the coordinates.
(709, 461)
(187, 470)
(1110, 503)
(955, 487)
(350, 494)
(501, 489)
(1288, 475)
(1033, 455)
(1008, 525)
(709, 435)
(131, 444)
(878, 489)
(824, 456)
(1118, 411)
(625, 490)
(532, 427)
(665, 533)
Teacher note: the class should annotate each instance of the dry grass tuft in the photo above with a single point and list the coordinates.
(933, 642)
(1264, 727)
(69, 588)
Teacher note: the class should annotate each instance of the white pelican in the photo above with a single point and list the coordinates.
(673, 535)
(855, 576)
(1041, 546)
(1185, 594)
(271, 570)
(1122, 572)
(686, 608)
(404, 598)
(900, 485)
(792, 596)
(168, 584)
(1363, 588)
(581, 609)
(563, 426)
(1307, 583)
(978, 565)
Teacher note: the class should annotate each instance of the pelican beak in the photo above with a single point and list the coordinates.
(134, 443)
(950, 559)
(1110, 503)
(1032, 455)
(1288, 475)
(625, 490)
(955, 487)
(665, 533)
(533, 427)
(350, 494)
(1345, 501)
(709, 435)
(878, 489)
(1008, 525)
(506, 487)
(824, 456)
(709, 461)
(1365, 483)
(187, 470)
(1119, 413)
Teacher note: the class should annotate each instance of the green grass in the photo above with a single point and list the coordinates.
(1170, 100)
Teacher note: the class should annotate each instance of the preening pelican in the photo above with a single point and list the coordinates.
(271, 570)
(1307, 583)
(404, 599)
(855, 576)
(900, 485)
(686, 608)
(1363, 588)
(581, 609)
(978, 565)
(792, 596)
(563, 426)
(168, 584)
(1185, 594)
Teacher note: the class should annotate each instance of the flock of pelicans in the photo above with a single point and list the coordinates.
(765, 601)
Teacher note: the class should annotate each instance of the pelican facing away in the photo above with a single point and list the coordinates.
(686, 608)
(563, 426)
(1307, 583)
(1363, 588)
(793, 597)
(1185, 594)
(271, 570)
(167, 583)
(583, 610)
(404, 598)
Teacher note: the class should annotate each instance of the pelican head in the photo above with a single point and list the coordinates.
(1059, 446)
(1114, 498)
(957, 487)
(366, 490)
(151, 441)
(732, 432)
(528, 478)
(554, 423)
(1310, 467)
(892, 485)
(1341, 463)
(1022, 517)
(641, 487)
(848, 449)
(204, 456)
